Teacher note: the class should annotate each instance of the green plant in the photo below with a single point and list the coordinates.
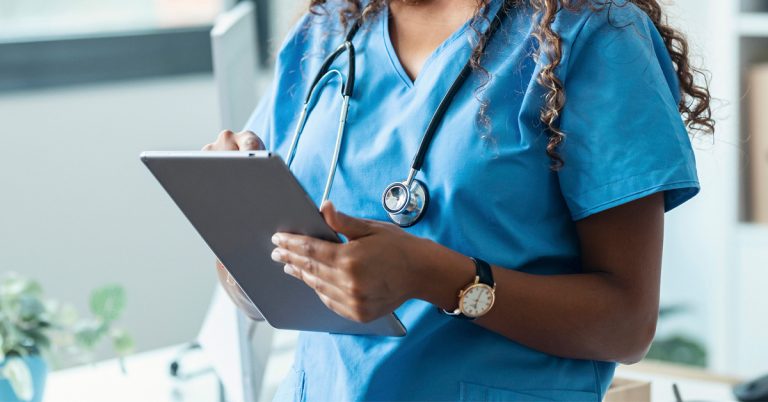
(677, 348)
(31, 324)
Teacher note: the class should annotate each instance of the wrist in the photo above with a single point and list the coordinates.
(440, 273)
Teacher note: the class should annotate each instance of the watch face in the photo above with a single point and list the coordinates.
(477, 300)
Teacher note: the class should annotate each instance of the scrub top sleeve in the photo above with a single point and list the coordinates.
(625, 138)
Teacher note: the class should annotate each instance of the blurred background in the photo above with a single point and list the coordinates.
(86, 85)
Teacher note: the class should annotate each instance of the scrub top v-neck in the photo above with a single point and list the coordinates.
(492, 192)
(397, 65)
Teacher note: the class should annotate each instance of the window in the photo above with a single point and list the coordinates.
(32, 19)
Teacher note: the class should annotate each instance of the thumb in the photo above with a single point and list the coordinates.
(350, 227)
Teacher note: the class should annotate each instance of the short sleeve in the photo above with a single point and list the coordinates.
(625, 138)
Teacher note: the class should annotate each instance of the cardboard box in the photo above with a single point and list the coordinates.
(624, 390)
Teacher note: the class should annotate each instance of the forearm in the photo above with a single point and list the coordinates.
(584, 316)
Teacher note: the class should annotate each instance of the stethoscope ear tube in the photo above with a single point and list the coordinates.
(348, 88)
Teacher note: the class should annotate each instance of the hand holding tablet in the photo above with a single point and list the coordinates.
(237, 219)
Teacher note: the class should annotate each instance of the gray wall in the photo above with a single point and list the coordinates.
(78, 209)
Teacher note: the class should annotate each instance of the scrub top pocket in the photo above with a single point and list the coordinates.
(470, 392)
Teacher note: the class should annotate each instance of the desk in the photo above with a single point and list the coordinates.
(694, 384)
(148, 379)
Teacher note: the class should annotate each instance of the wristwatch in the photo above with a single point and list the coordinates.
(477, 297)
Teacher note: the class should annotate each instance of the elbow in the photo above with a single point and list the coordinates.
(636, 340)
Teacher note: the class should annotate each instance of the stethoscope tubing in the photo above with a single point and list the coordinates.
(442, 107)
(347, 88)
(407, 214)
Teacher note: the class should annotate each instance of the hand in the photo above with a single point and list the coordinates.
(242, 141)
(229, 141)
(236, 293)
(362, 280)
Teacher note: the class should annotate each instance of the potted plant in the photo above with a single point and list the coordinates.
(677, 348)
(35, 331)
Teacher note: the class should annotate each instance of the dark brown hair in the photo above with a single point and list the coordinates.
(695, 97)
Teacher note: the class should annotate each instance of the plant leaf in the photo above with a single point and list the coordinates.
(12, 285)
(18, 375)
(108, 302)
(88, 334)
(679, 349)
(121, 342)
(671, 310)
(30, 308)
(38, 339)
(65, 315)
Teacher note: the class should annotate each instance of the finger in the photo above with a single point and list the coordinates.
(248, 141)
(338, 308)
(350, 227)
(333, 298)
(316, 283)
(308, 265)
(225, 141)
(225, 277)
(320, 250)
(208, 147)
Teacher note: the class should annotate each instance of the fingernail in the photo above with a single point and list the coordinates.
(276, 239)
(277, 255)
(288, 269)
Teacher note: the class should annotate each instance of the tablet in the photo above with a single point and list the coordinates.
(236, 201)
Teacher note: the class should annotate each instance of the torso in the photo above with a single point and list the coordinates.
(492, 196)
(476, 176)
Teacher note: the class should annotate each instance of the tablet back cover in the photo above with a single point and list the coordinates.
(236, 201)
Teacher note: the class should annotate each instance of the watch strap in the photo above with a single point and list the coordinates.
(483, 270)
(484, 274)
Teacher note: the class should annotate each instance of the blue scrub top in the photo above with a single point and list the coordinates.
(493, 195)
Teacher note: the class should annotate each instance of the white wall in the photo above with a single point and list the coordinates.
(713, 262)
(78, 209)
(695, 235)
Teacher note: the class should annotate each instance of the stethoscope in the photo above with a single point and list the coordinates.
(406, 201)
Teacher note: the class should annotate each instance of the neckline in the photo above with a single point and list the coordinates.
(395, 60)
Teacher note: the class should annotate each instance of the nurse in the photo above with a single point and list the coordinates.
(535, 266)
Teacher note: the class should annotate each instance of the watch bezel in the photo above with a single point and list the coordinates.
(490, 289)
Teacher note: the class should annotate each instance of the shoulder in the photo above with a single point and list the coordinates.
(586, 15)
(613, 34)
(595, 19)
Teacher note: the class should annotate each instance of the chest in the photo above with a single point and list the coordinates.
(484, 158)
(486, 169)
(417, 30)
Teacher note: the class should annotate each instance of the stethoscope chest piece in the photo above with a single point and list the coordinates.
(405, 205)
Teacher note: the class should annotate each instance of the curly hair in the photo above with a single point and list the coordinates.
(695, 98)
